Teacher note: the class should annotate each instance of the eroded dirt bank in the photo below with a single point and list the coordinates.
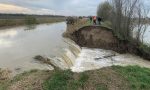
(96, 37)
(102, 37)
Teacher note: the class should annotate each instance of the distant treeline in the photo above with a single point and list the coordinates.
(22, 16)
(25, 19)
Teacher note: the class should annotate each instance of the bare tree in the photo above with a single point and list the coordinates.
(125, 16)
(141, 22)
(104, 10)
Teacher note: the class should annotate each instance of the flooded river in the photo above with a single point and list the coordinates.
(147, 35)
(18, 46)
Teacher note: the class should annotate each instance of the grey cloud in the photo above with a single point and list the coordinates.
(65, 7)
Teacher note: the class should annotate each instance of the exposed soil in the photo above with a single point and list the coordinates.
(96, 37)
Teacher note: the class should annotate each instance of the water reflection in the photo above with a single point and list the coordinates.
(4, 35)
(146, 36)
(8, 33)
(30, 27)
(19, 45)
(5, 43)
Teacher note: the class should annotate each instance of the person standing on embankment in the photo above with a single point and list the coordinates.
(99, 19)
(94, 20)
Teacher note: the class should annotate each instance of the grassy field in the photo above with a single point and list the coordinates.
(138, 78)
(110, 78)
(17, 22)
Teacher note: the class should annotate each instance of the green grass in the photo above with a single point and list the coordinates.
(145, 48)
(20, 76)
(101, 87)
(58, 81)
(135, 77)
(82, 79)
(106, 24)
(139, 78)
(64, 80)
(4, 84)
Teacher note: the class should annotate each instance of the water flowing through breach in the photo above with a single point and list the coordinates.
(69, 55)
(79, 60)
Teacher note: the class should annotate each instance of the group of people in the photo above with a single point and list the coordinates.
(95, 20)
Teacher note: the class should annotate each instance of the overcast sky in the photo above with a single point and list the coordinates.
(60, 7)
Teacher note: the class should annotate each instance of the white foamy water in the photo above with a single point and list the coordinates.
(90, 59)
(80, 60)
(67, 58)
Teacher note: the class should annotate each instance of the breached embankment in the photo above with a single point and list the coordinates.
(83, 59)
(96, 36)
(100, 52)
(103, 49)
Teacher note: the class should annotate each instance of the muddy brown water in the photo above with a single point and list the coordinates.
(18, 45)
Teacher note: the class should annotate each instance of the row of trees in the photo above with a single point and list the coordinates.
(22, 16)
(125, 16)
(29, 20)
